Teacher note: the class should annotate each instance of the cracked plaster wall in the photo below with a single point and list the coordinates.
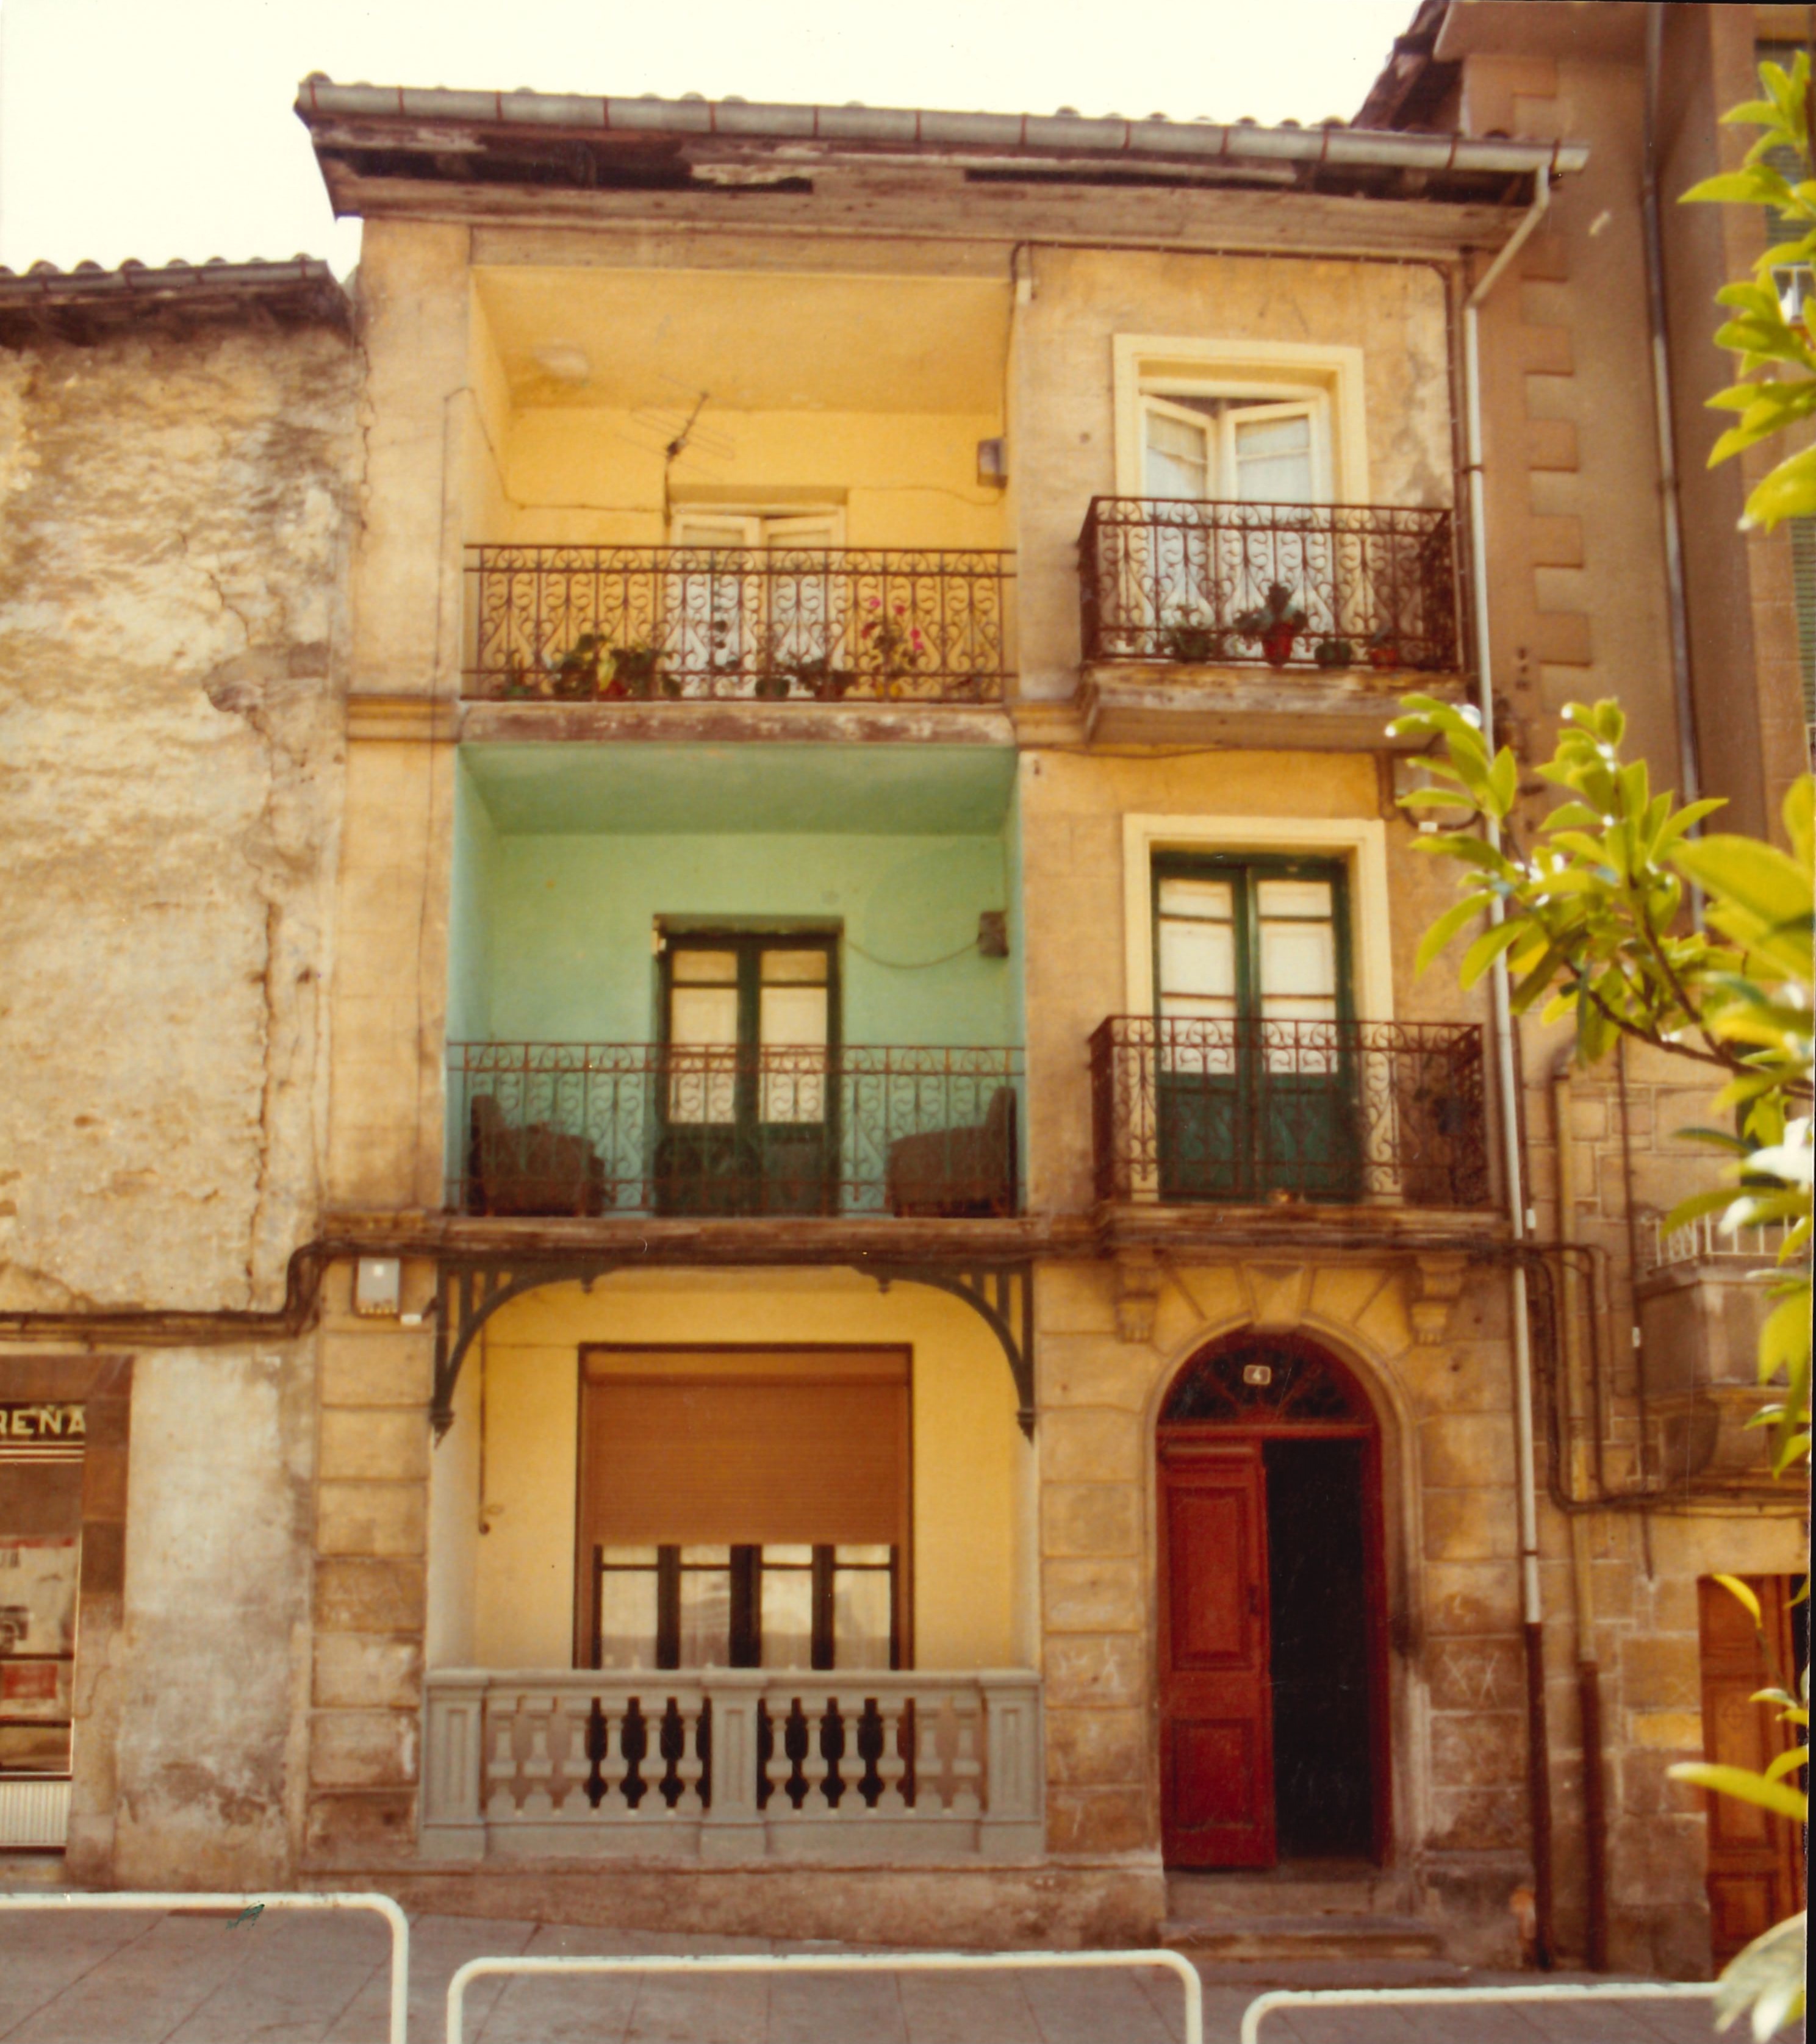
(174, 514)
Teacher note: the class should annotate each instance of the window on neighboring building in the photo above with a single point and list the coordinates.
(1255, 1069)
(743, 1507)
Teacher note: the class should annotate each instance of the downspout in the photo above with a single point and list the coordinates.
(1538, 1767)
(1580, 1418)
(1690, 776)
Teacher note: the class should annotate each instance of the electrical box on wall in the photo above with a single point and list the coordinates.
(993, 461)
(377, 1286)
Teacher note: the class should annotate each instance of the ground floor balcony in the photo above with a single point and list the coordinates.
(733, 1764)
(699, 1131)
(1190, 1111)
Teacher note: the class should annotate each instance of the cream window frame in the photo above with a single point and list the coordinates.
(1219, 436)
(1330, 376)
(759, 529)
(1361, 842)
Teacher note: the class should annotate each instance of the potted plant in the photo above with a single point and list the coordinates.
(632, 671)
(897, 646)
(575, 676)
(1383, 648)
(1334, 653)
(1190, 635)
(1276, 625)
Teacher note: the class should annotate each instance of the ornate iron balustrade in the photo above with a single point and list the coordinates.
(777, 624)
(1384, 1113)
(1318, 585)
(667, 1129)
(727, 1763)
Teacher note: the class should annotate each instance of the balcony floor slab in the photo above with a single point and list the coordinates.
(1346, 709)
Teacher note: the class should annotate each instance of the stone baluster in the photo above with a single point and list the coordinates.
(967, 1760)
(892, 1762)
(537, 1765)
(690, 1766)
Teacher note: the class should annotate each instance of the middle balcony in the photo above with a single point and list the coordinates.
(751, 983)
(709, 1126)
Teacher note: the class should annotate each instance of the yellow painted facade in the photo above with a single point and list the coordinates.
(973, 1473)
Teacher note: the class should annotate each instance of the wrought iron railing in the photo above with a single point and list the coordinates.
(777, 624)
(654, 1128)
(1387, 1113)
(1320, 586)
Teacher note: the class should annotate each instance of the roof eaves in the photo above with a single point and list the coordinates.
(90, 299)
(321, 101)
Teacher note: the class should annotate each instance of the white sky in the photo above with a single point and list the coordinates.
(157, 129)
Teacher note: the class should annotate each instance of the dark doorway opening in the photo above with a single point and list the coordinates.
(1271, 1645)
(1324, 1785)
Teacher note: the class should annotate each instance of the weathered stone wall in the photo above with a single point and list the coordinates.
(175, 510)
(173, 518)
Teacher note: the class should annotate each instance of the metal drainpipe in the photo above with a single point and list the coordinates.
(1682, 700)
(1531, 1616)
(1579, 1413)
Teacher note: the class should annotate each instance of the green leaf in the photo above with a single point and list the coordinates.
(1742, 1593)
(1457, 917)
(1744, 1786)
(1486, 949)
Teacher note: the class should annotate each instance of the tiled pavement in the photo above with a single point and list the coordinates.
(128, 1979)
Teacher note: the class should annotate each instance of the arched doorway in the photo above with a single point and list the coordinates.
(1272, 1623)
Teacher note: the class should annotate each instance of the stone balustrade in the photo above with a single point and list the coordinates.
(733, 1763)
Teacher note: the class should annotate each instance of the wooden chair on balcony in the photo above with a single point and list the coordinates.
(957, 1174)
(535, 1170)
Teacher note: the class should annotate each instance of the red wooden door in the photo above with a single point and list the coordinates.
(1216, 1760)
(1756, 1859)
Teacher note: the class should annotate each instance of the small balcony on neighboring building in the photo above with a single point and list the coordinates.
(1284, 624)
(1189, 1112)
(1702, 1298)
(711, 499)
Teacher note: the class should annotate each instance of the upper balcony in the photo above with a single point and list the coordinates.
(774, 623)
(1292, 623)
(716, 502)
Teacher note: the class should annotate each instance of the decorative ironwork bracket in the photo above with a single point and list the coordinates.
(470, 1290)
(467, 1292)
(1002, 1295)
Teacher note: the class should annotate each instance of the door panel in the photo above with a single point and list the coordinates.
(1216, 1751)
(1754, 1876)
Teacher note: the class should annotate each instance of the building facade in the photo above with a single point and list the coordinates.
(784, 1242)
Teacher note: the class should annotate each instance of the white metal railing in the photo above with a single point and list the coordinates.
(1705, 1240)
(254, 1905)
(897, 1962)
(1567, 1994)
(732, 1764)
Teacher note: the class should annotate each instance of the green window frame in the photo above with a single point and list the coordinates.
(1252, 1101)
(743, 1128)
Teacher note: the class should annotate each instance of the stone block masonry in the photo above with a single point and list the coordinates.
(175, 513)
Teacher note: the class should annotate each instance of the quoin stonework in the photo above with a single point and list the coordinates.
(726, 1201)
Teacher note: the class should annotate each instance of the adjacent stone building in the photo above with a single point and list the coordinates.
(714, 1048)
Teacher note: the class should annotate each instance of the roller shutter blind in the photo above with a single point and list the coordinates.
(775, 1448)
